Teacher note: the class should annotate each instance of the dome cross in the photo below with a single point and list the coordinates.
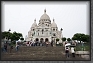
(45, 11)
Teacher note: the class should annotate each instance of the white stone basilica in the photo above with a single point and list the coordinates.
(45, 30)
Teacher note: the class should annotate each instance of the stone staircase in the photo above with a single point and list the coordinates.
(37, 53)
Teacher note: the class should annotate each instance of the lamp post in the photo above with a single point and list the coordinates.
(61, 29)
(62, 35)
(8, 34)
(82, 43)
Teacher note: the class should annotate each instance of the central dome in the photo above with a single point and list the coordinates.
(45, 16)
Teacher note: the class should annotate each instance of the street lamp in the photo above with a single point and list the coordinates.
(82, 43)
(61, 33)
(61, 29)
(8, 34)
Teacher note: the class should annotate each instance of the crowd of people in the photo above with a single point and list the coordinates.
(5, 45)
(39, 43)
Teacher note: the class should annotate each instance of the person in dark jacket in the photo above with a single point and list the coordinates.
(52, 43)
(5, 47)
(67, 51)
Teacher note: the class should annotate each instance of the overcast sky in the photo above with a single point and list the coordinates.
(73, 17)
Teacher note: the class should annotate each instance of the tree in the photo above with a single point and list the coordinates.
(16, 36)
(81, 37)
(68, 39)
(85, 38)
(13, 36)
(21, 38)
(57, 39)
(63, 39)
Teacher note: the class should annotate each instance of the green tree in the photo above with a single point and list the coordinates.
(16, 35)
(63, 39)
(13, 36)
(57, 39)
(6, 34)
(68, 39)
(21, 38)
(81, 37)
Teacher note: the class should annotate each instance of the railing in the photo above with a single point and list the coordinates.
(82, 53)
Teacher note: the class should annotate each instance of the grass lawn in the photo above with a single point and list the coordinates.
(85, 47)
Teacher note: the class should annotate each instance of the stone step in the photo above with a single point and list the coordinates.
(37, 53)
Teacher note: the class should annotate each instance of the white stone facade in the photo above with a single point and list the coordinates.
(45, 30)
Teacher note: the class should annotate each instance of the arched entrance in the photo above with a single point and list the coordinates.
(46, 39)
(41, 40)
(37, 39)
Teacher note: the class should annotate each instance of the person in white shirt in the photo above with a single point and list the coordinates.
(30, 43)
(17, 46)
(57, 43)
(73, 51)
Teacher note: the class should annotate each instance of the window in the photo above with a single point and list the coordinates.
(53, 29)
(42, 31)
(46, 30)
(32, 34)
(54, 34)
(46, 24)
(33, 29)
(38, 34)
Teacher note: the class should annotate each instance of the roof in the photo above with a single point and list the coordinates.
(44, 16)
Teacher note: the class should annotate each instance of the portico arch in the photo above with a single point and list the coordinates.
(37, 39)
(41, 39)
(46, 39)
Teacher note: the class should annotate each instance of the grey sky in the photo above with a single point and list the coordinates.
(73, 17)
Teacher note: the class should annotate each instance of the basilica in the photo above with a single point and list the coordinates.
(44, 30)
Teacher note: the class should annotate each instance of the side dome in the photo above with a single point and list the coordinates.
(34, 24)
(53, 24)
(44, 16)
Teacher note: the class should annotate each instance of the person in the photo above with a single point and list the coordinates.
(65, 42)
(17, 46)
(5, 47)
(57, 43)
(33, 43)
(46, 43)
(36, 43)
(52, 43)
(67, 51)
(27, 43)
(30, 43)
(2, 46)
(40, 43)
(11, 47)
(73, 51)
